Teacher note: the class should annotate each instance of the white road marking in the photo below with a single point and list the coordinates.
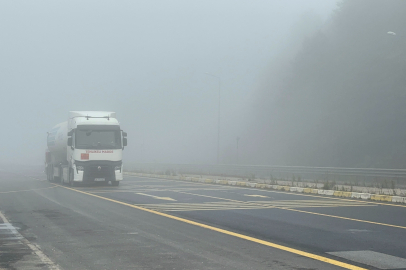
(221, 205)
(11, 231)
(253, 195)
(156, 197)
(358, 231)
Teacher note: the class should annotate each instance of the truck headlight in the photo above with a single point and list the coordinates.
(118, 168)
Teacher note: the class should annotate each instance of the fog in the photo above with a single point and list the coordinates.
(147, 61)
(340, 100)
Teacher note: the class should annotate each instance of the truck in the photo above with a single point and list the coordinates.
(87, 148)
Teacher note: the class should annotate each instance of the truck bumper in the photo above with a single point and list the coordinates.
(98, 169)
(119, 175)
(77, 176)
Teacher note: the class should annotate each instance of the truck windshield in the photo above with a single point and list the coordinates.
(97, 139)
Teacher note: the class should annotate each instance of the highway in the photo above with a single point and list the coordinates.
(150, 223)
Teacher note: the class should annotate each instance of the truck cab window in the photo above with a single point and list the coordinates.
(97, 139)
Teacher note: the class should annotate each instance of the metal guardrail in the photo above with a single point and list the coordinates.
(292, 173)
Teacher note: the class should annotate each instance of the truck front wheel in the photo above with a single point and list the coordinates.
(56, 179)
(115, 183)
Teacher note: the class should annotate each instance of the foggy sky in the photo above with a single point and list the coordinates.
(145, 60)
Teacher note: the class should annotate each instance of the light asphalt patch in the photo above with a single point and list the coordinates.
(372, 258)
(25, 190)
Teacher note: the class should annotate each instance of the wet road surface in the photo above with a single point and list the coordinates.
(148, 223)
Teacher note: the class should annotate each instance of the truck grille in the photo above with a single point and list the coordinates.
(91, 169)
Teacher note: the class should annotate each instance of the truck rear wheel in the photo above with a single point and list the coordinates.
(49, 174)
(56, 179)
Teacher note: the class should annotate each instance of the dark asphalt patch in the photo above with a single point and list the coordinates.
(12, 250)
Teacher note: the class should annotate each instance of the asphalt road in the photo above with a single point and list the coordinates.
(150, 223)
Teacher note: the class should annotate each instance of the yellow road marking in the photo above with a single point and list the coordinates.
(238, 235)
(261, 196)
(156, 197)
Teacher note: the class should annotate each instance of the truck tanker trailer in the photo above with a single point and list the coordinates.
(87, 148)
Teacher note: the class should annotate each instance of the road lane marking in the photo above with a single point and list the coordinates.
(200, 206)
(352, 219)
(308, 212)
(252, 195)
(238, 235)
(98, 187)
(156, 197)
(152, 190)
(226, 205)
(271, 191)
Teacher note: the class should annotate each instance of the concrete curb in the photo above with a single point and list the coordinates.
(335, 193)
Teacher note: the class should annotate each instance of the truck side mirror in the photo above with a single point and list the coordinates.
(70, 133)
(124, 134)
(124, 141)
(70, 141)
